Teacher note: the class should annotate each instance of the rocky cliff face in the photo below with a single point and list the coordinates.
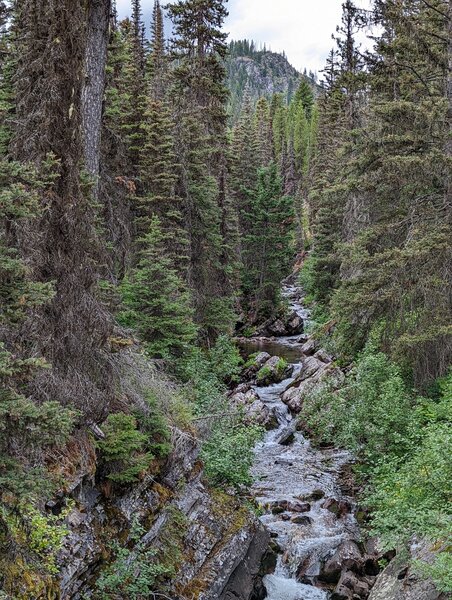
(259, 73)
(214, 544)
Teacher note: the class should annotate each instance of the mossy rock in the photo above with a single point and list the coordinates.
(274, 371)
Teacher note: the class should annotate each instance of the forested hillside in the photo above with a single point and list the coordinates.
(154, 195)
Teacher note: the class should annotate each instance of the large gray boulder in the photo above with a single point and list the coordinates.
(397, 582)
(255, 411)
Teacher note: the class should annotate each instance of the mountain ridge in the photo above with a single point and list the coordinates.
(257, 73)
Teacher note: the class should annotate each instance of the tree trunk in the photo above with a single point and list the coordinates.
(94, 84)
(448, 148)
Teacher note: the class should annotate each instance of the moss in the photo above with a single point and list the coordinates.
(23, 582)
(171, 539)
(275, 374)
(164, 493)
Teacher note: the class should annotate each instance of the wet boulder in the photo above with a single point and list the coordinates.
(274, 370)
(346, 557)
(287, 436)
(302, 520)
(351, 587)
(338, 507)
(277, 328)
(294, 324)
(310, 347)
(255, 411)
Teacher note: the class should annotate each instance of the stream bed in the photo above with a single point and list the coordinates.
(293, 482)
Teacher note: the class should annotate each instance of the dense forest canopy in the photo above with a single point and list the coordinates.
(148, 215)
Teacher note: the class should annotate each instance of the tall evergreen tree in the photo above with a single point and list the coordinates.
(157, 60)
(156, 301)
(199, 47)
(394, 269)
(267, 249)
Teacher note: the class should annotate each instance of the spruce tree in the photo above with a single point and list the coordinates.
(267, 249)
(155, 299)
(157, 60)
(264, 132)
(199, 46)
(394, 266)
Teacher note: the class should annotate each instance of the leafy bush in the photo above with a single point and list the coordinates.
(371, 414)
(225, 360)
(42, 535)
(133, 574)
(228, 456)
(411, 495)
(228, 447)
(405, 445)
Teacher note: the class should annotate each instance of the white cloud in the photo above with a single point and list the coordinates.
(302, 28)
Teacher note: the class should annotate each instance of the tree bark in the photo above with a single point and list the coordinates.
(94, 84)
(449, 107)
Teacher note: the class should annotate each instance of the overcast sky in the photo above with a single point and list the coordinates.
(302, 28)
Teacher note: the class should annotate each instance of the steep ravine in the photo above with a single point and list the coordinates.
(306, 543)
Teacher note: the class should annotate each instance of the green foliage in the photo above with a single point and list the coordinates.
(268, 375)
(155, 300)
(154, 424)
(124, 449)
(134, 573)
(41, 534)
(228, 458)
(225, 360)
(267, 249)
(404, 445)
(371, 414)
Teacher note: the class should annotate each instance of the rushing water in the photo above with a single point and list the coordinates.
(291, 483)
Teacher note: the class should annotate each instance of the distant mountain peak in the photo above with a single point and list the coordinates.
(260, 72)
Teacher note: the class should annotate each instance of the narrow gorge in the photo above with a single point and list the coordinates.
(225, 300)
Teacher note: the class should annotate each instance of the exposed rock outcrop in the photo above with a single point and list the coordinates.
(218, 545)
(246, 398)
(398, 582)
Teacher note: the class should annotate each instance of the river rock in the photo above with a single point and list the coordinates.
(398, 582)
(274, 370)
(277, 328)
(310, 347)
(337, 507)
(287, 436)
(255, 411)
(302, 520)
(309, 366)
(323, 356)
(350, 587)
(294, 324)
(313, 371)
(347, 556)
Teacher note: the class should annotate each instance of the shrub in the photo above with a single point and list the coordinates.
(124, 449)
(228, 456)
(133, 574)
(155, 426)
(225, 360)
(372, 413)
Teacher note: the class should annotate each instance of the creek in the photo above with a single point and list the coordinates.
(293, 482)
